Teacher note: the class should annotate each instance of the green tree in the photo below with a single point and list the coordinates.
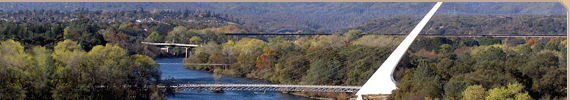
(443, 67)
(454, 88)
(42, 66)
(523, 96)
(422, 72)
(153, 37)
(493, 54)
(13, 55)
(178, 35)
(474, 92)
(195, 40)
(68, 55)
(13, 62)
(84, 31)
(142, 70)
(323, 71)
(445, 48)
(551, 83)
(352, 35)
(513, 91)
(65, 51)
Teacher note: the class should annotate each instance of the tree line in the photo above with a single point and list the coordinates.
(128, 35)
(69, 72)
(89, 59)
(443, 68)
(194, 17)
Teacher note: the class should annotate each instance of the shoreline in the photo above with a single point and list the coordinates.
(265, 81)
(303, 95)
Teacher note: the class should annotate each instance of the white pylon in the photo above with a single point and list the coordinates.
(382, 81)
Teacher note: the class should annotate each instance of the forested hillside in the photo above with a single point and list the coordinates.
(199, 19)
(470, 25)
(69, 72)
(308, 16)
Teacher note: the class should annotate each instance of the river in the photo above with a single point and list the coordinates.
(180, 73)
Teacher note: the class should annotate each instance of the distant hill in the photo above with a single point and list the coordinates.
(470, 25)
(290, 17)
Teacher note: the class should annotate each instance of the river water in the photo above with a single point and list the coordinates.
(184, 75)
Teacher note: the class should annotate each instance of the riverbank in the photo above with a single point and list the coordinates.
(304, 95)
(231, 73)
(184, 75)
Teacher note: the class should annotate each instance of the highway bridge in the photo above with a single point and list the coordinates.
(168, 45)
(420, 35)
(171, 44)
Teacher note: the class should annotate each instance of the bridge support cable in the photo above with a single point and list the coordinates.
(382, 81)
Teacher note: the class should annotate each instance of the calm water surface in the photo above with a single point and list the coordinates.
(191, 76)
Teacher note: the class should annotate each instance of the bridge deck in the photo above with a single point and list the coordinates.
(420, 35)
(265, 87)
(171, 44)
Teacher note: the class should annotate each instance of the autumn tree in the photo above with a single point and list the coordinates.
(474, 92)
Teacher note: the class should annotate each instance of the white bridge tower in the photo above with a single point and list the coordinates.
(382, 81)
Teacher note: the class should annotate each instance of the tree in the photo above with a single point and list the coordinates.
(552, 83)
(153, 37)
(352, 35)
(178, 35)
(13, 61)
(493, 54)
(422, 72)
(513, 91)
(39, 84)
(13, 55)
(470, 43)
(65, 52)
(474, 92)
(523, 96)
(328, 41)
(142, 70)
(454, 88)
(84, 31)
(525, 49)
(249, 50)
(67, 56)
(445, 48)
(195, 40)
(211, 34)
(323, 71)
